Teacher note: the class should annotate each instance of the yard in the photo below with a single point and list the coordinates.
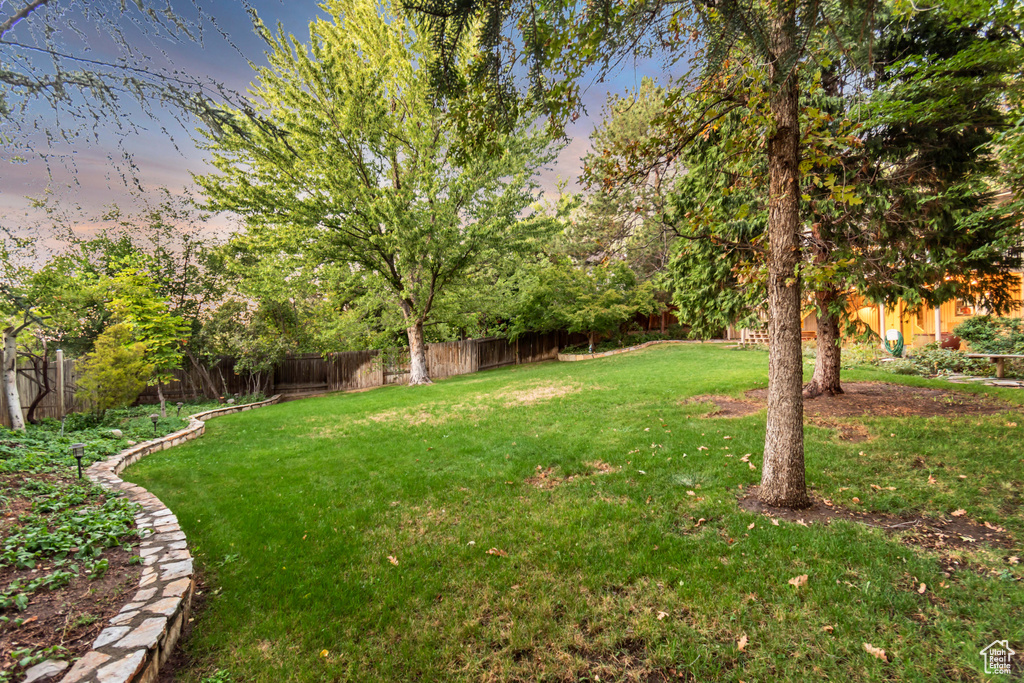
(583, 522)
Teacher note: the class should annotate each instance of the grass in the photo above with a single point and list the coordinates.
(647, 573)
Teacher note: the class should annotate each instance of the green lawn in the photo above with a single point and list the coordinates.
(294, 510)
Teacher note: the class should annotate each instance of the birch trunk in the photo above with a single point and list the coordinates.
(782, 478)
(11, 380)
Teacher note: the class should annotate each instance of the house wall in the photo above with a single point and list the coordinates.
(918, 327)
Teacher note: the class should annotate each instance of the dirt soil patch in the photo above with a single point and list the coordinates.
(933, 534)
(869, 399)
(71, 616)
(866, 399)
(547, 478)
(726, 406)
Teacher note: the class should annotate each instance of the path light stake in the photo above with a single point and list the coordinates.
(180, 404)
(154, 417)
(78, 450)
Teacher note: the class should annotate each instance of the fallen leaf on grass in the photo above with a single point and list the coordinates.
(699, 522)
(798, 581)
(726, 437)
(751, 525)
(931, 480)
(875, 652)
(499, 553)
(876, 487)
(741, 644)
(324, 653)
(993, 527)
(775, 521)
(922, 588)
(702, 448)
(752, 466)
(855, 499)
(1013, 559)
(393, 560)
(827, 629)
(662, 615)
(690, 493)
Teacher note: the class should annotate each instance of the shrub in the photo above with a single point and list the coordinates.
(934, 360)
(115, 373)
(986, 334)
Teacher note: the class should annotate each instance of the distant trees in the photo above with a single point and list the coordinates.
(353, 159)
(589, 299)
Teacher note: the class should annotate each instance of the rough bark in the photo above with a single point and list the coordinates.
(782, 479)
(38, 362)
(417, 355)
(11, 379)
(828, 364)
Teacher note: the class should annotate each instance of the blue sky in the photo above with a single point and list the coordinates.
(163, 151)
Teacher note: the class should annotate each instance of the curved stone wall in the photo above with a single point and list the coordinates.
(137, 642)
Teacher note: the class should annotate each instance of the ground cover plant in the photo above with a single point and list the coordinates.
(580, 522)
(66, 547)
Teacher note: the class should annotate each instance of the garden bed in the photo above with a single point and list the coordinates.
(68, 562)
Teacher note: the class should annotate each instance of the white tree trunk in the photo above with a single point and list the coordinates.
(11, 380)
(163, 401)
(417, 355)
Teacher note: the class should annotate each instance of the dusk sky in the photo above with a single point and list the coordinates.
(163, 150)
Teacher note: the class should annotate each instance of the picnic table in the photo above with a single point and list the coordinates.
(996, 358)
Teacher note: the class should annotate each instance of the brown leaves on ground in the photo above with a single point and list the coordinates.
(798, 581)
(876, 652)
(393, 560)
(496, 552)
(545, 477)
(741, 644)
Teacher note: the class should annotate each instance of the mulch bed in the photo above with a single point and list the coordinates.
(931, 533)
(866, 399)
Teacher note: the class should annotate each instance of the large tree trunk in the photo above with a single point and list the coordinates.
(417, 355)
(828, 364)
(11, 379)
(782, 477)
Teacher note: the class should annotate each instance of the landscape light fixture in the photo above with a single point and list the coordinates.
(78, 450)
(180, 404)
(155, 418)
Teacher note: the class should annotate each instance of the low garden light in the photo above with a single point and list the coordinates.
(155, 418)
(179, 404)
(78, 451)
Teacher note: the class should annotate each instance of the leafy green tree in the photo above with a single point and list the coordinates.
(137, 305)
(594, 300)
(361, 163)
(115, 373)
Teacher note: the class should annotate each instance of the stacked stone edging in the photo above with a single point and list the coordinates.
(572, 357)
(138, 640)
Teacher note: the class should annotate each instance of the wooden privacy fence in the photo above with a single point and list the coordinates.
(306, 374)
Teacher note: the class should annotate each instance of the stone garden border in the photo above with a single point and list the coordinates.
(138, 641)
(572, 357)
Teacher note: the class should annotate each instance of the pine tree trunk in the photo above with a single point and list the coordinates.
(11, 380)
(417, 355)
(828, 364)
(782, 478)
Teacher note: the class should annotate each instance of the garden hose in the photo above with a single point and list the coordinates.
(896, 349)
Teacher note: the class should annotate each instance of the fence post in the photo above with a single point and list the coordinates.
(60, 382)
